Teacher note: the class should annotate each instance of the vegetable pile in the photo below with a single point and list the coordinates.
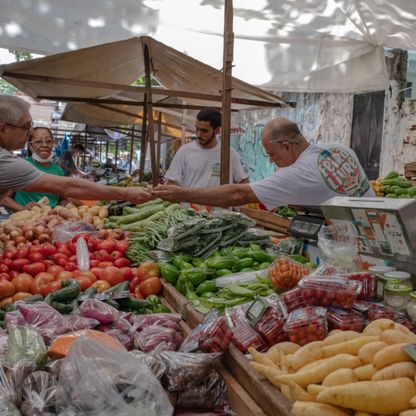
(394, 186)
(346, 371)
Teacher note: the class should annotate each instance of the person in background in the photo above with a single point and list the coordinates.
(40, 147)
(197, 164)
(17, 174)
(308, 174)
(67, 162)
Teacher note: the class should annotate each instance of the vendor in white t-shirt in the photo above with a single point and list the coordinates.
(308, 175)
(197, 164)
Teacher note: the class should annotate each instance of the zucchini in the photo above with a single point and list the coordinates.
(221, 262)
(242, 264)
(65, 308)
(69, 291)
(260, 256)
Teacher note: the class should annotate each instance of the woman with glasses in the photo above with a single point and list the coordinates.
(40, 147)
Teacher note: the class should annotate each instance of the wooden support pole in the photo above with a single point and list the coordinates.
(131, 149)
(226, 92)
(143, 145)
(150, 130)
(84, 157)
(159, 140)
(116, 157)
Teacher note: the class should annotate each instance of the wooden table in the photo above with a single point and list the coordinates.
(267, 219)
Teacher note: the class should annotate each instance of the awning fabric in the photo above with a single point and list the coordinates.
(285, 45)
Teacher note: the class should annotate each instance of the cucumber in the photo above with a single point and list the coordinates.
(121, 287)
(33, 299)
(65, 308)
(132, 304)
(260, 256)
(2, 314)
(112, 303)
(90, 292)
(242, 264)
(69, 292)
(223, 272)
(221, 262)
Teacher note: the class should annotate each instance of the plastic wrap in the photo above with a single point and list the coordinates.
(368, 284)
(158, 338)
(186, 369)
(39, 394)
(306, 325)
(45, 319)
(345, 320)
(4, 337)
(335, 292)
(209, 394)
(25, 344)
(83, 255)
(101, 311)
(13, 318)
(69, 229)
(7, 408)
(155, 364)
(81, 322)
(338, 244)
(7, 391)
(285, 273)
(211, 336)
(167, 320)
(245, 336)
(373, 311)
(293, 299)
(96, 380)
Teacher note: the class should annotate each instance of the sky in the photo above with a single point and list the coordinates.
(6, 57)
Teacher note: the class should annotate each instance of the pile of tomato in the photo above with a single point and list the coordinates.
(39, 268)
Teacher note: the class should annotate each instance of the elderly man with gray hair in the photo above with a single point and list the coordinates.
(307, 174)
(18, 174)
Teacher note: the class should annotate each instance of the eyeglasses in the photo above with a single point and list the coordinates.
(47, 142)
(26, 127)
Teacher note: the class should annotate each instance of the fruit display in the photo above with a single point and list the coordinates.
(393, 185)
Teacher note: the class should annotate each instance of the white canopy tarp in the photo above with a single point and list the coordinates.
(282, 45)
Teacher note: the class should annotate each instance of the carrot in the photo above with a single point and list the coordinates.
(382, 323)
(348, 347)
(317, 374)
(396, 336)
(341, 336)
(306, 354)
(315, 389)
(396, 370)
(365, 372)
(387, 397)
(298, 393)
(315, 409)
(390, 355)
(271, 374)
(261, 358)
(368, 351)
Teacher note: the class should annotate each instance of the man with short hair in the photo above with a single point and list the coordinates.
(308, 174)
(67, 162)
(18, 174)
(197, 164)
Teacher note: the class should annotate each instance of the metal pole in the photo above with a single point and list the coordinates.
(143, 146)
(159, 140)
(85, 148)
(116, 157)
(131, 148)
(226, 92)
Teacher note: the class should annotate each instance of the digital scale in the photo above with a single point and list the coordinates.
(386, 227)
(306, 225)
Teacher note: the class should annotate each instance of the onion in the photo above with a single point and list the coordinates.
(20, 239)
(9, 245)
(8, 228)
(43, 238)
(3, 237)
(38, 230)
(26, 228)
(13, 234)
(29, 235)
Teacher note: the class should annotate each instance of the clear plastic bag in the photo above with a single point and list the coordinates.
(4, 337)
(101, 311)
(39, 394)
(167, 320)
(338, 244)
(155, 364)
(186, 369)
(158, 338)
(83, 255)
(68, 229)
(96, 380)
(285, 273)
(81, 322)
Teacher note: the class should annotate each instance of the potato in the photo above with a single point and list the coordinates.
(94, 210)
(340, 337)
(368, 351)
(390, 355)
(315, 389)
(365, 372)
(382, 323)
(103, 212)
(348, 347)
(340, 376)
(315, 409)
(396, 336)
(306, 354)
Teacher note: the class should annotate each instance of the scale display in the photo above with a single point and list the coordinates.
(306, 226)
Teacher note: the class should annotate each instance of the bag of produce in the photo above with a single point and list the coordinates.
(81, 322)
(285, 273)
(153, 361)
(101, 311)
(97, 380)
(69, 229)
(158, 338)
(167, 320)
(4, 337)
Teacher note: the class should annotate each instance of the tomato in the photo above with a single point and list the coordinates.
(34, 268)
(4, 268)
(64, 250)
(10, 254)
(107, 245)
(92, 244)
(48, 263)
(55, 269)
(105, 264)
(48, 249)
(6, 289)
(45, 277)
(133, 284)
(35, 249)
(86, 273)
(71, 267)
(116, 255)
(61, 262)
(5, 276)
(13, 273)
(122, 262)
(35, 242)
(7, 262)
(57, 256)
(33, 257)
(113, 275)
(22, 282)
(93, 263)
(20, 296)
(147, 270)
(51, 287)
(73, 258)
(98, 272)
(103, 255)
(127, 273)
(84, 234)
(71, 247)
(18, 264)
(84, 282)
(150, 286)
(40, 282)
(6, 301)
(121, 246)
(138, 295)
(101, 285)
(64, 275)
(22, 253)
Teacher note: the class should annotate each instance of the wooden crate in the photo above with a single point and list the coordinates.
(266, 396)
(240, 401)
(267, 219)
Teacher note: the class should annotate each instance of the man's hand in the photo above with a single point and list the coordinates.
(171, 193)
(138, 195)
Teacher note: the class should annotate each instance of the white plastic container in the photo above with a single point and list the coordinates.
(403, 277)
